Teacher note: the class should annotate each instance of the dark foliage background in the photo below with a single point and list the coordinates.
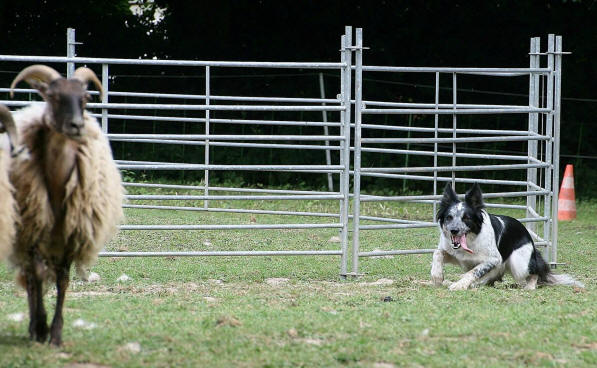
(407, 33)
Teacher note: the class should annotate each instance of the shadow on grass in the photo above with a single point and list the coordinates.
(14, 340)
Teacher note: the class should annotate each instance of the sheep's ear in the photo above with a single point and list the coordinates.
(40, 86)
(474, 197)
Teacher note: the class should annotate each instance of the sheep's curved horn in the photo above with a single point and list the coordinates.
(87, 75)
(33, 75)
(8, 126)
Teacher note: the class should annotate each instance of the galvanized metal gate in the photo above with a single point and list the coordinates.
(540, 163)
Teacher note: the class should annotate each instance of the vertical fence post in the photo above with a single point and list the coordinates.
(328, 158)
(435, 135)
(106, 87)
(556, 150)
(207, 95)
(532, 130)
(550, 184)
(408, 135)
(70, 51)
(454, 129)
(358, 105)
(345, 187)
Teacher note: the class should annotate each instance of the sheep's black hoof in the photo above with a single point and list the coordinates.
(39, 332)
(56, 341)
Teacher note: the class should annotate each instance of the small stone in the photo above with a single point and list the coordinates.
(292, 333)
(132, 347)
(82, 324)
(16, 317)
(123, 278)
(387, 299)
(335, 239)
(93, 277)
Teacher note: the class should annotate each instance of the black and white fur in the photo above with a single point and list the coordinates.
(495, 244)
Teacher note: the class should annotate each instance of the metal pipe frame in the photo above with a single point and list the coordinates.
(542, 171)
(358, 94)
(550, 183)
(345, 86)
(532, 136)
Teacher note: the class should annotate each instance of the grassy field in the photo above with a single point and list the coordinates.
(296, 311)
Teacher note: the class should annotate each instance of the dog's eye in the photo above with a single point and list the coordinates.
(466, 217)
(449, 218)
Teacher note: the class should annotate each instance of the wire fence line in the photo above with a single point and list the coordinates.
(349, 117)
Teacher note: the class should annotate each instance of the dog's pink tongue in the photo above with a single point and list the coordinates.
(462, 241)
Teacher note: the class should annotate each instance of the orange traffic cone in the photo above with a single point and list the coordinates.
(566, 202)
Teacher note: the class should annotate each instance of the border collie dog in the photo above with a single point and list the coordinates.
(485, 246)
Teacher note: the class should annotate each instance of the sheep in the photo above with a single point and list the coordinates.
(68, 191)
(8, 210)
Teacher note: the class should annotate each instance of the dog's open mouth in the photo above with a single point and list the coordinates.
(459, 241)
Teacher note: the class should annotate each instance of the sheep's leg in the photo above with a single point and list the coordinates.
(62, 281)
(38, 327)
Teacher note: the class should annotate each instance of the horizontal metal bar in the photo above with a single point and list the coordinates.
(403, 128)
(420, 224)
(225, 253)
(230, 137)
(455, 112)
(371, 198)
(223, 98)
(367, 170)
(508, 206)
(440, 106)
(120, 61)
(196, 97)
(189, 107)
(448, 179)
(165, 197)
(221, 121)
(514, 138)
(334, 169)
(444, 154)
(407, 69)
(231, 144)
(396, 226)
(230, 210)
(230, 227)
(384, 219)
(395, 252)
(226, 189)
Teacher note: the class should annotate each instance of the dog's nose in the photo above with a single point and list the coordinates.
(454, 232)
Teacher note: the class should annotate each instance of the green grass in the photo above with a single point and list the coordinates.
(225, 311)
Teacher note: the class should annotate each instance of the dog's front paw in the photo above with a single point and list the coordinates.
(460, 285)
(437, 279)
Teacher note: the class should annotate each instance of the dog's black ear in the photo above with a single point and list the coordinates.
(474, 197)
(449, 197)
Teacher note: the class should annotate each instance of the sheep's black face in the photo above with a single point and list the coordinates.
(68, 99)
